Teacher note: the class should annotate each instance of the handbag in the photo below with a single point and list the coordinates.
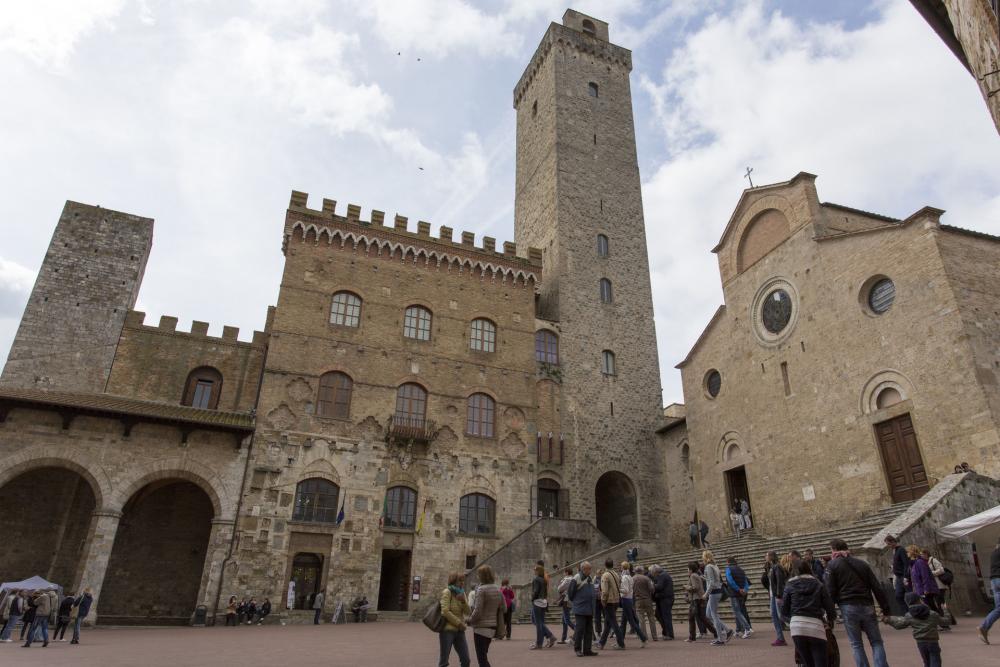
(433, 619)
(947, 577)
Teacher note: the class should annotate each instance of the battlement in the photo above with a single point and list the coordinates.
(444, 249)
(136, 319)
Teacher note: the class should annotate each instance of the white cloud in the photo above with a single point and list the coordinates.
(47, 31)
(884, 115)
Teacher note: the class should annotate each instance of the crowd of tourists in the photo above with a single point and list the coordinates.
(808, 596)
(31, 613)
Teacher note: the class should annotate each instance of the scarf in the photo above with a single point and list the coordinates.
(456, 590)
(841, 554)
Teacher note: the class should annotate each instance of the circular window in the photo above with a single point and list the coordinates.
(881, 295)
(776, 311)
(713, 383)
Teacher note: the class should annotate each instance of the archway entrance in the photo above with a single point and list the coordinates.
(394, 584)
(737, 489)
(45, 517)
(307, 572)
(156, 564)
(617, 515)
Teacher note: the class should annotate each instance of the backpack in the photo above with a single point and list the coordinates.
(947, 577)
(433, 619)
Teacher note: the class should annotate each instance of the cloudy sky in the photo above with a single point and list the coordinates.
(204, 115)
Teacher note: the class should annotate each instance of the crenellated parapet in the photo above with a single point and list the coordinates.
(375, 238)
(167, 325)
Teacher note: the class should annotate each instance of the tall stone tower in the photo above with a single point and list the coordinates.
(579, 200)
(89, 280)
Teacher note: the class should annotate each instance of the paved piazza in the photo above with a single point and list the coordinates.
(405, 644)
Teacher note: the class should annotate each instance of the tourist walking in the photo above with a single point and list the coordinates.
(454, 611)
(852, 585)
(774, 579)
(63, 618)
(808, 606)
(583, 596)
(745, 514)
(642, 594)
(944, 578)
(739, 588)
(693, 534)
(564, 604)
(510, 598)
(629, 617)
(265, 611)
(713, 595)
(704, 534)
(663, 598)
(15, 607)
(539, 603)
(487, 619)
(695, 591)
(43, 606)
(984, 629)
(900, 569)
(924, 583)
(736, 523)
(815, 563)
(610, 601)
(82, 605)
(925, 624)
(29, 613)
(318, 606)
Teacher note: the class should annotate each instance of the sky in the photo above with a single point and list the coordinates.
(205, 115)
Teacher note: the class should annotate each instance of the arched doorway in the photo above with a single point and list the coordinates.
(307, 572)
(615, 500)
(156, 564)
(45, 517)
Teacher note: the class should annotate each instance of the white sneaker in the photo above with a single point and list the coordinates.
(642, 644)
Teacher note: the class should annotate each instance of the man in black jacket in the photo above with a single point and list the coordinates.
(663, 598)
(900, 569)
(852, 584)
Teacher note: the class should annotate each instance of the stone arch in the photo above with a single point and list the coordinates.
(479, 484)
(616, 506)
(51, 457)
(730, 448)
(762, 234)
(223, 505)
(322, 468)
(770, 202)
(685, 454)
(879, 382)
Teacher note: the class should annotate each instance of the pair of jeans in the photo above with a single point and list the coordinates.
(76, 629)
(811, 650)
(447, 640)
(11, 624)
(41, 624)
(647, 618)
(567, 623)
(584, 634)
(721, 629)
(739, 613)
(779, 628)
(542, 631)
(665, 614)
(482, 646)
(696, 618)
(930, 652)
(995, 614)
(629, 618)
(860, 618)
(611, 625)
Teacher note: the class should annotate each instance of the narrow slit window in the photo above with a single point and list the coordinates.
(784, 378)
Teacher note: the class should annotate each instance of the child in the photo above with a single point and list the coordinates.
(925, 628)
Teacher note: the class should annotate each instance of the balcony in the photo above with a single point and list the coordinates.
(409, 430)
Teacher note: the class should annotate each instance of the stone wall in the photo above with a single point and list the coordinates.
(675, 450)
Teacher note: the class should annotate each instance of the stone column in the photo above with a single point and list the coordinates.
(215, 560)
(97, 552)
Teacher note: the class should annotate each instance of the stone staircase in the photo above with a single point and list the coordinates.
(750, 551)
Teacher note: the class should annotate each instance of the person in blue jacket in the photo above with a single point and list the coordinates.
(583, 596)
(739, 586)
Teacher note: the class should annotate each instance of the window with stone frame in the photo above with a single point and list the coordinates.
(334, 398)
(606, 295)
(411, 406)
(401, 508)
(546, 347)
(202, 389)
(345, 310)
(483, 335)
(477, 514)
(316, 501)
(592, 89)
(480, 415)
(417, 323)
(608, 362)
(603, 247)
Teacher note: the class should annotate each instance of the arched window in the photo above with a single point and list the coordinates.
(483, 336)
(477, 514)
(546, 347)
(608, 362)
(346, 309)
(202, 388)
(686, 457)
(592, 89)
(334, 399)
(588, 27)
(480, 414)
(400, 508)
(417, 323)
(316, 501)
(411, 405)
(606, 295)
(602, 245)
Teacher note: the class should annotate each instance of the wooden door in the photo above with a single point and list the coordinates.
(904, 468)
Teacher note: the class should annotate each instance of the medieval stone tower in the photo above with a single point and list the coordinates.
(578, 199)
(88, 281)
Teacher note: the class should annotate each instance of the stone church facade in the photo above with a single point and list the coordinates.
(414, 402)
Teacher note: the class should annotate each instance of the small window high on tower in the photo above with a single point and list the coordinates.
(589, 28)
(592, 89)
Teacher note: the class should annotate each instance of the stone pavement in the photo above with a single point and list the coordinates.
(406, 644)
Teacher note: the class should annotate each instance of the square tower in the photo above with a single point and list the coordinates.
(578, 198)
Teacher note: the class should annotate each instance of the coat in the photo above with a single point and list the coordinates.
(851, 581)
(776, 579)
(454, 610)
(924, 622)
(583, 595)
(489, 610)
(642, 588)
(922, 579)
(83, 602)
(318, 601)
(65, 607)
(663, 587)
(43, 605)
(610, 588)
(806, 596)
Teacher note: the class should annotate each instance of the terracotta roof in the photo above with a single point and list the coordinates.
(120, 406)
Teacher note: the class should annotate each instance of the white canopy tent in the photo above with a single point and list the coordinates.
(35, 583)
(982, 529)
